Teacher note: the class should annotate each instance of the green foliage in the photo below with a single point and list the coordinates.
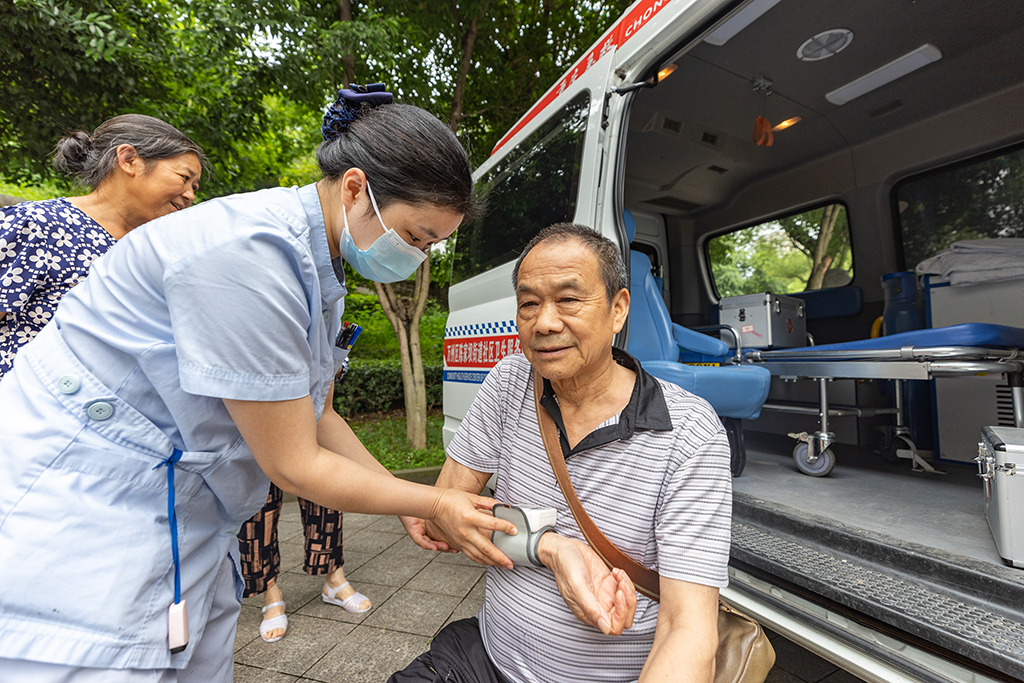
(384, 437)
(983, 200)
(373, 386)
(378, 342)
(777, 256)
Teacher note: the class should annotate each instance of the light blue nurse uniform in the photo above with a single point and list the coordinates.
(234, 298)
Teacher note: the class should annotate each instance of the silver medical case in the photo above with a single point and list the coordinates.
(1001, 466)
(765, 320)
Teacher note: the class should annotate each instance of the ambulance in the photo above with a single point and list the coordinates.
(819, 150)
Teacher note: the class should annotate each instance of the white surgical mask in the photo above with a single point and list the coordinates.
(389, 258)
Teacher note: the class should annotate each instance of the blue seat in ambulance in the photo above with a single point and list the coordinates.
(734, 391)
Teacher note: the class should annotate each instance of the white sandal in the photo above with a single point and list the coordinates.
(351, 603)
(280, 621)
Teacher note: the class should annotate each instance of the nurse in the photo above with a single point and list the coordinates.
(139, 429)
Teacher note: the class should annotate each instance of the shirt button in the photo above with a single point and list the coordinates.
(69, 384)
(101, 410)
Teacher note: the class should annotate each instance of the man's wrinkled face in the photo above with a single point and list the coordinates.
(566, 323)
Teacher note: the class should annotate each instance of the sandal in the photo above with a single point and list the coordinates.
(351, 603)
(280, 621)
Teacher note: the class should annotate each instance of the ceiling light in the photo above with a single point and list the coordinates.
(787, 123)
(898, 68)
(667, 71)
(739, 21)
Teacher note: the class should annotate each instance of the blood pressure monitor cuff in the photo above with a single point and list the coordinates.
(531, 524)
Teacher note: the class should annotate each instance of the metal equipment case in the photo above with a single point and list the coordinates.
(1001, 466)
(765, 320)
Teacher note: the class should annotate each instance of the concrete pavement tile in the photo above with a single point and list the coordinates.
(466, 609)
(447, 579)
(298, 588)
(455, 558)
(390, 568)
(406, 546)
(372, 542)
(250, 674)
(377, 593)
(368, 655)
(388, 523)
(290, 512)
(479, 589)
(354, 521)
(305, 643)
(248, 629)
(292, 554)
(289, 532)
(414, 612)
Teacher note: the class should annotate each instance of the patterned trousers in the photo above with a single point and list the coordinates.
(260, 555)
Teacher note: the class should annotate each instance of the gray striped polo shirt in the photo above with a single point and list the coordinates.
(656, 481)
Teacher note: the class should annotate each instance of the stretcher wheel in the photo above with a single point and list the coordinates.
(737, 450)
(820, 467)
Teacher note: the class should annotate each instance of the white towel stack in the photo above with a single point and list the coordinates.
(973, 261)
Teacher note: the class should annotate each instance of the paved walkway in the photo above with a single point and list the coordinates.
(415, 593)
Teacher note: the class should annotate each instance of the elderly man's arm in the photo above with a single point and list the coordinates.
(686, 637)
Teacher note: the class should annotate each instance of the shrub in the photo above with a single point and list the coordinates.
(373, 386)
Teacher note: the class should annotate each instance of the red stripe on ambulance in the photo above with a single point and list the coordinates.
(615, 38)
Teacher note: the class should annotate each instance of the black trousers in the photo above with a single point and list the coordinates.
(456, 655)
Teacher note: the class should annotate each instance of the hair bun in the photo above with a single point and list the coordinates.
(349, 106)
(72, 151)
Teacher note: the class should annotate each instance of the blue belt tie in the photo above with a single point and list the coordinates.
(172, 519)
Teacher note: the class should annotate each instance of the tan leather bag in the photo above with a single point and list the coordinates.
(744, 653)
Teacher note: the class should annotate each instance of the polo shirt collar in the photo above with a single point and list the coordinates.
(330, 273)
(646, 410)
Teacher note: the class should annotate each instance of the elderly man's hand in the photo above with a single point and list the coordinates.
(604, 599)
(464, 522)
(420, 533)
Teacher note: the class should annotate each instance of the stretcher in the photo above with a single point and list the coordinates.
(966, 350)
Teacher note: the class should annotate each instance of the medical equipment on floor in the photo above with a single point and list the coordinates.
(964, 350)
(1001, 466)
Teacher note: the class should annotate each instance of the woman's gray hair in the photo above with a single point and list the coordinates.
(89, 158)
(612, 266)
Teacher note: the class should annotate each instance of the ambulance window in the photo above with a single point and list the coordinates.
(795, 253)
(981, 200)
(531, 188)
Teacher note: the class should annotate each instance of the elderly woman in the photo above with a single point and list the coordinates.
(139, 168)
(197, 361)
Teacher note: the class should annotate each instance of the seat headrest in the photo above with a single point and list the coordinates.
(627, 218)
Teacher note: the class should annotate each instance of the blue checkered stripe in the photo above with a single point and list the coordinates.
(481, 329)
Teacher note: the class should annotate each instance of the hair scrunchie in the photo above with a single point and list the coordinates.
(349, 106)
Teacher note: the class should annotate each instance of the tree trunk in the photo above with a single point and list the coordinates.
(405, 315)
(468, 41)
(821, 260)
(349, 59)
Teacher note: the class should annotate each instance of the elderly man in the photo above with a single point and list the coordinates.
(649, 462)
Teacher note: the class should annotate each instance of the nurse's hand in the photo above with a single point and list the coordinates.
(464, 521)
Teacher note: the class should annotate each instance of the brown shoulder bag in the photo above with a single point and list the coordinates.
(744, 653)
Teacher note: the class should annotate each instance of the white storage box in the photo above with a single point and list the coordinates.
(765, 320)
(1001, 467)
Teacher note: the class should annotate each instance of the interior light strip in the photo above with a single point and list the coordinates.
(898, 68)
(739, 21)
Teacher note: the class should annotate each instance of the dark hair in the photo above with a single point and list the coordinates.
(89, 158)
(407, 154)
(612, 267)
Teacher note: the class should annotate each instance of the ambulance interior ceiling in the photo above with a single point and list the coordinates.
(690, 149)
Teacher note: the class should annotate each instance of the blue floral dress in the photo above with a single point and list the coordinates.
(46, 248)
